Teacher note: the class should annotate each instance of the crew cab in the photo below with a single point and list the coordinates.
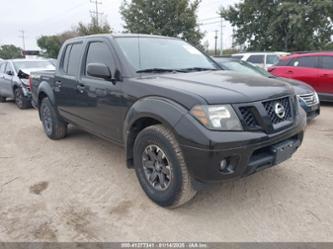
(183, 121)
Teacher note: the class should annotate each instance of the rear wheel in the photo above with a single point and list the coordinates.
(21, 101)
(160, 167)
(54, 127)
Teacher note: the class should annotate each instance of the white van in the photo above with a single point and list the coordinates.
(261, 59)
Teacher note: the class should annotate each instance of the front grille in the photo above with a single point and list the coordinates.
(270, 108)
(248, 117)
(309, 99)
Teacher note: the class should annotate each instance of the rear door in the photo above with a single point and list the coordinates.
(325, 80)
(65, 82)
(103, 104)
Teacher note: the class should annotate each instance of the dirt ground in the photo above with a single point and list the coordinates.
(79, 189)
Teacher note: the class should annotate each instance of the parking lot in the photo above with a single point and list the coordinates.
(79, 189)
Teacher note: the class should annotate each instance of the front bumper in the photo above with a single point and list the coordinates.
(311, 111)
(245, 152)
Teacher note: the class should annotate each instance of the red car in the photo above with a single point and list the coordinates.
(315, 69)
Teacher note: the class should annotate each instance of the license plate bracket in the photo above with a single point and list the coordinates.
(284, 150)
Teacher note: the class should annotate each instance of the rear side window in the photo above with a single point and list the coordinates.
(307, 61)
(256, 59)
(272, 59)
(327, 62)
(65, 59)
(71, 61)
(2, 67)
(98, 52)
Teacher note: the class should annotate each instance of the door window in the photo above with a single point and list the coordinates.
(99, 52)
(272, 59)
(327, 62)
(307, 61)
(9, 69)
(71, 60)
(256, 59)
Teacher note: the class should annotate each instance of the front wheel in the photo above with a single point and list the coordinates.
(54, 127)
(21, 101)
(160, 167)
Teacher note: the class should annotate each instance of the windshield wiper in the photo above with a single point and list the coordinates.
(191, 69)
(156, 70)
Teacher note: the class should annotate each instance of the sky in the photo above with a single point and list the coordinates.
(49, 17)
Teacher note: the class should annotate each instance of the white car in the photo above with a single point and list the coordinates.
(261, 59)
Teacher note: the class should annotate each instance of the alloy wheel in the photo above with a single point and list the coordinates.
(156, 167)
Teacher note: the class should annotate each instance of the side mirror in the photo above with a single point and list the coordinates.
(10, 73)
(99, 70)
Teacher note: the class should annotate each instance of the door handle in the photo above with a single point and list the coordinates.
(81, 88)
(290, 71)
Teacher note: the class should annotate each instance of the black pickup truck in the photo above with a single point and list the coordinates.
(182, 120)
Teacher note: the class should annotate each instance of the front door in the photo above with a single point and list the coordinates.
(7, 81)
(102, 102)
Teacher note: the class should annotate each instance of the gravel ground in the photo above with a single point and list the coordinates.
(79, 189)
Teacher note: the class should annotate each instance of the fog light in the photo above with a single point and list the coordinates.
(223, 165)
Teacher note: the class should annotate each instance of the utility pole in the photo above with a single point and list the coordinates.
(221, 37)
(95, 12)
(23, 38)
(216, 37)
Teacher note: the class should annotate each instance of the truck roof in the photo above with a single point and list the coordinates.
(118, 35)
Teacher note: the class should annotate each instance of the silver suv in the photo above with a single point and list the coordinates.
(14, 79)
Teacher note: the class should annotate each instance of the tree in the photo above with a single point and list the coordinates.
(52, 44)
(10, 52)
(176, 18)
(93, 28)
(281, 24)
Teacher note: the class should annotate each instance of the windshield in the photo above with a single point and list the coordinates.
(161, 53)
(32, 64)
(244, 67)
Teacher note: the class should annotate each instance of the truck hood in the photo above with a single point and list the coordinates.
(223, 87)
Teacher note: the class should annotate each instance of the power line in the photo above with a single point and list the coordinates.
(96, 13)
(209, 18)
(203, 24)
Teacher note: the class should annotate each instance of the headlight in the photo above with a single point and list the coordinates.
(217, 117)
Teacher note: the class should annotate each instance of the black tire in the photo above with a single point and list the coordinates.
(2, 99)
(179, 188)
(21, 101)
(54, 127)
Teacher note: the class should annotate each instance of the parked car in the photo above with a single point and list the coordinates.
(307, 96)
(261, 59)
(316, 69)
(14, 75)
(183, 121)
